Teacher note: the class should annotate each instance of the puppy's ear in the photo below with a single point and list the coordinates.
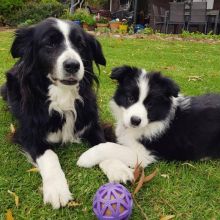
(96, 50)
(22, 42)
(166, 84)
(120, 73)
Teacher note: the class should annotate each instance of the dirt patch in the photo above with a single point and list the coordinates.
(3, 28)
(141, 36)
(158, 37)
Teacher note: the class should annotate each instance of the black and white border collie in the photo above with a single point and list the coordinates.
(154, 122)
(49, 91)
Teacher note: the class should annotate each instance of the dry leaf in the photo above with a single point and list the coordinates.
(15, 197)
(33, 170)
(165, 176)
(140, 183)
(188, 164)
(167, 217)
(150, 177)
(73, 204)
(137, 171)
(194, 78)
(12, 128)
(9, 215)
(170, 68)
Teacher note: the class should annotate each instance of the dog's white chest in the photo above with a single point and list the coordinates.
(63, 101)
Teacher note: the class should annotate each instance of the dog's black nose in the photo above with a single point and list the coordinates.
(135, 120)
(71, 66)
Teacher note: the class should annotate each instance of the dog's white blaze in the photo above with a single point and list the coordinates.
(138, 109)
(62, 99)
(143, 86)
(69, 53)
(55, 187)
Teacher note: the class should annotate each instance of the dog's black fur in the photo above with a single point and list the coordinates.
(26, 89)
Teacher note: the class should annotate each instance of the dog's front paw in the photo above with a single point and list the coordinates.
(116, 171)
(56, 192)
(89, 158)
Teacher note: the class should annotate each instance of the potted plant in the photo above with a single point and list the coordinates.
(114, 24)
(72, 17)
(88, 22)
(124, 26)
(102, 22)
(79, 15)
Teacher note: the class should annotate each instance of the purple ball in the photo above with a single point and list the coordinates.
(112, 201)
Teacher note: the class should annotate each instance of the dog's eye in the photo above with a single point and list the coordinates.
(148, 103)
(81, 42)
(50, 44)
(130, 99)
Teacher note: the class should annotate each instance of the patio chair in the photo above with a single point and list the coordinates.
(176, 14)
(159, 18)
(162, 11)
(198, 15)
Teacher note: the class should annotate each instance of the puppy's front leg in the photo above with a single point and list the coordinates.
(116, 171)
(105, 151)
(55, 187)
(130, 156)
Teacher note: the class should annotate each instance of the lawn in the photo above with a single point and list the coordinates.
(188, 191)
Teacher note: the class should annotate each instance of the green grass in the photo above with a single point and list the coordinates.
(188, 193)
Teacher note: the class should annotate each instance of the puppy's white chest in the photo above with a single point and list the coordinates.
(62, 100)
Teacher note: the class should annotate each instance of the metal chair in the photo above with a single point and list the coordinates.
(176, 14)
(198, 15)
(159, 18)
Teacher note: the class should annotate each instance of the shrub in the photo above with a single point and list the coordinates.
(89, 20)
(97, 3)
(67, 15)
(81, 15)
(32, 13)
(8, 6)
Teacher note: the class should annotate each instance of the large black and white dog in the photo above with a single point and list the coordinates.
(49, 91)
(155, 122)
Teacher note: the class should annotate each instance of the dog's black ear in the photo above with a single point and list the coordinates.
(96, 50)
(166, 84)
(22, 42)
(121, 72)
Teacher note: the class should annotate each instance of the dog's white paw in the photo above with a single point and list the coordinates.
(89, 158)
(56, 192)
(116, 171)
(98, 153)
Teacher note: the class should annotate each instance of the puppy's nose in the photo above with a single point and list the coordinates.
(71, 66)
(135, 121)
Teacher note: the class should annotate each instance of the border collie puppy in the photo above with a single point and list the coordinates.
(49, 91)
(154, 122)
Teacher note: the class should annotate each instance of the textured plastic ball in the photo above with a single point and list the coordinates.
(112, 201)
